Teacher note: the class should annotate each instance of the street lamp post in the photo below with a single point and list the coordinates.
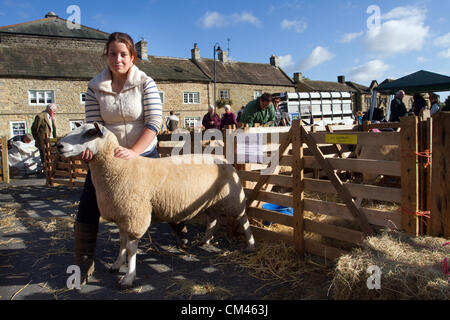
(216, 49)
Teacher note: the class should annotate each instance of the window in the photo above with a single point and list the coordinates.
(224, 94)
(73, 124)
(257, 94)
(83, 97)
(161, 95)
(192, 122)
(191, 97)
(18, 128)
(40, 97)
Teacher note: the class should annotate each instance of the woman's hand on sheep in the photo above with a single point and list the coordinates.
(87, 155)
(124, 153)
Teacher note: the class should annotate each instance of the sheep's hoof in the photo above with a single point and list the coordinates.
(250, 248)
(125, 283)
(183, 243)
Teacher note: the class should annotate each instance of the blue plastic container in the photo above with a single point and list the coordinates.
(277, 208)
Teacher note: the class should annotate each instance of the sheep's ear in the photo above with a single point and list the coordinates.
(100, 129)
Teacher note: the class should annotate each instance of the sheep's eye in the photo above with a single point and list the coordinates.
(91, 133)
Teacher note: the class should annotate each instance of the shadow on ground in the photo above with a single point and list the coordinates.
(36, 245)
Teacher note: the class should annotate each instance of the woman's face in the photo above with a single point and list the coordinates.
(119, 58)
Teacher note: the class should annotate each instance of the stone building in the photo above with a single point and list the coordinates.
(47, 60)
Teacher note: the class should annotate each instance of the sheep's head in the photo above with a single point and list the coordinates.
(89, 136)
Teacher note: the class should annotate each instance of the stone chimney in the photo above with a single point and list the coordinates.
(195, 53)
(298, 76)
(141, 48)
(275, 61)
(223, 56)
(341, 79)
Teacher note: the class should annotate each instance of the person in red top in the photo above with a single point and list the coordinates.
(228, 118)
(211, 120)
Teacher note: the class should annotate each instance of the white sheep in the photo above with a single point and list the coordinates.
(134, 192)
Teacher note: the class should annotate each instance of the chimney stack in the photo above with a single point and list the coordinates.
(341, 79)
(298, 76)
(223, 56)
(275, 61)
(195, 53)
(141, 48)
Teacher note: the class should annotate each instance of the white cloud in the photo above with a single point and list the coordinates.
(296, 25)
(215, 19)
(401, 30)
(422, 59)
(371, 70)
(445, 54)
(318, 56)
(349, 37)
(286, 61)
(442, 41)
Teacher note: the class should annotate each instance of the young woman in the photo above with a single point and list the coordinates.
(127, 102)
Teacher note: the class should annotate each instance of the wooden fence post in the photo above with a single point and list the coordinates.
(409, 174)
(298, 187)
(440, 185)
(424, 148)
(5, 164)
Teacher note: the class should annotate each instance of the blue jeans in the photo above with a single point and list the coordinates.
(88, 212)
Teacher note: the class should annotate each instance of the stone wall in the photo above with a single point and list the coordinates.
(14, 104)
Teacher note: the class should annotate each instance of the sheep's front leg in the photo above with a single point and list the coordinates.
(122, 257)
(127, 280)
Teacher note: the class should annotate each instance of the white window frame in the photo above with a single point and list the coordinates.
(257, 94)
(191, 97)
(47, 95)
(82, 97)
(224, 94)
(192, 122)
(72, 125)
(11, 127)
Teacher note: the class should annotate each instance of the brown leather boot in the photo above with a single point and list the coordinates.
(85, 239)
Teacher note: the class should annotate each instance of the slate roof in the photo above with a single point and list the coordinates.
(244, 73)
(358, 87)
(40, 62)
(317, 86)
(172, 69)
(55, 27)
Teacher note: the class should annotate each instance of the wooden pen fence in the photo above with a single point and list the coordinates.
(310, 167)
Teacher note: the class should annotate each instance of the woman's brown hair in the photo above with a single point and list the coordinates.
(125, 39)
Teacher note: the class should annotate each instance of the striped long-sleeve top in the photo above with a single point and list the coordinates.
(127, 113)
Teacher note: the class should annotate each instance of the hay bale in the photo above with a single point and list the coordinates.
(411, 268)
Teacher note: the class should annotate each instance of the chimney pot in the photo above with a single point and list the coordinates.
(298, 76)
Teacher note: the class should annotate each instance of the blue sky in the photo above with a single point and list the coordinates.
(322, 39)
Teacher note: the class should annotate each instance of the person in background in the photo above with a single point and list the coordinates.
(172, 122)
(419, 103)
(228, 118)
(211, 120)
(435, 103)
(239, 114)
(398, 108)
(44, 124)
(260, 110)
(281, 117)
